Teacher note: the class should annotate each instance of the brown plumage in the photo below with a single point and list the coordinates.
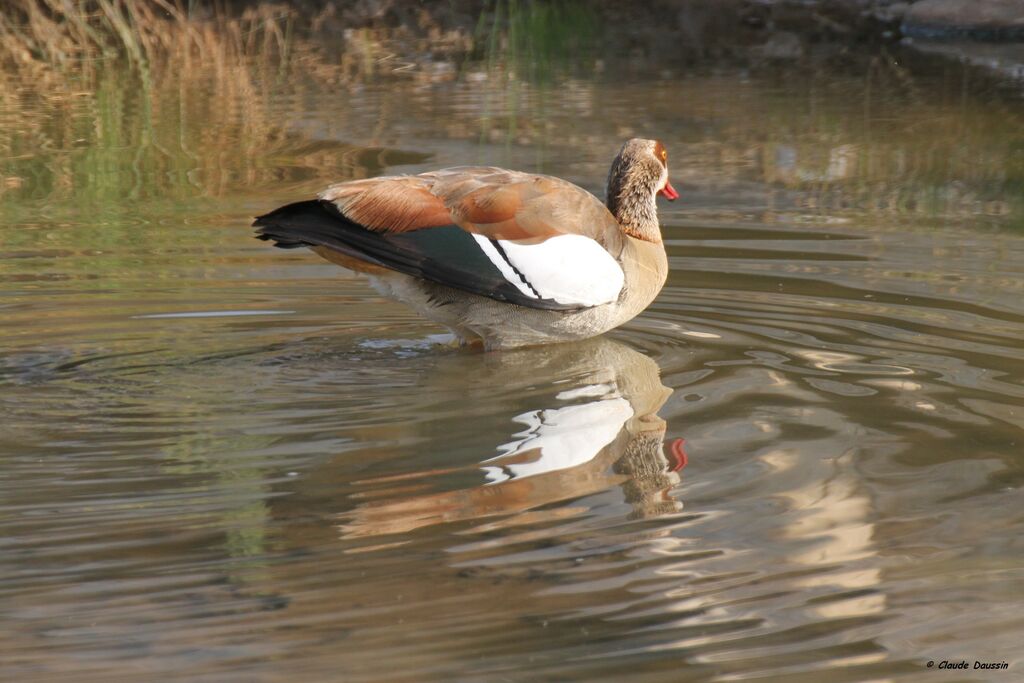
(494, 202)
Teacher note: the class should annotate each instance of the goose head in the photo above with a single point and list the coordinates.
(638, 174)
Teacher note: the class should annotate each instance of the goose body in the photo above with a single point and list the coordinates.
(502, 258)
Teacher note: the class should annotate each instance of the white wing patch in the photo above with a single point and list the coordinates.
(570, 269)
(504, 266)
(565, 437)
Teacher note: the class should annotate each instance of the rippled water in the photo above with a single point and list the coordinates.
(219, 461)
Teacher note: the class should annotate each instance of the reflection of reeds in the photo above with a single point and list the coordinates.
(218, 128)
(529, 43)
(109, 100)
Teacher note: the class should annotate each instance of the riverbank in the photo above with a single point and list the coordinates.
(405, 38)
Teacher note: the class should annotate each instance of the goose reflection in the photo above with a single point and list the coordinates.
(600, 430)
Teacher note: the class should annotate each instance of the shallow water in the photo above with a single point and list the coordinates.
(802, 463)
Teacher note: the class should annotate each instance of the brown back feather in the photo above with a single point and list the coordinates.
(494, 202)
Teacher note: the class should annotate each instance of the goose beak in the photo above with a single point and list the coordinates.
(677, 451)
(669, 192)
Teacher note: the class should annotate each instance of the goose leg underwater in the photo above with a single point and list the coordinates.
(502, 258)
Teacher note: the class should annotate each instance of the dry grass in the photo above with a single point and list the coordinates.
(70, 36)
(60, 40)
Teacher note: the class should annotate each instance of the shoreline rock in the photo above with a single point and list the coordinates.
(977, 20)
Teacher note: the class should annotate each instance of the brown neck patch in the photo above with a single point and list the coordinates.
(661, 153)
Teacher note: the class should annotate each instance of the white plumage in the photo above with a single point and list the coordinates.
(570, 269)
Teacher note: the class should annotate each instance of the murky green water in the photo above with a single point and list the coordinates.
(219, 461)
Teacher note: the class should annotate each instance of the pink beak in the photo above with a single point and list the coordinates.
(669, 192)
(678, 452)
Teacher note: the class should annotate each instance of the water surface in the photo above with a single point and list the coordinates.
(219, 461)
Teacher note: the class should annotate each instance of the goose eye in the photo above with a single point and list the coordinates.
(661, 153)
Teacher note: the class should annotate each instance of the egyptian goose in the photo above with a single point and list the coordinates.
(502, 258)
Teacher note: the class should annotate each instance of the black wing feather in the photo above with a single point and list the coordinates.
(446, 255)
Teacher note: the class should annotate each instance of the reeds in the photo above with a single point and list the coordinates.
(70, 34)
(537, 41)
